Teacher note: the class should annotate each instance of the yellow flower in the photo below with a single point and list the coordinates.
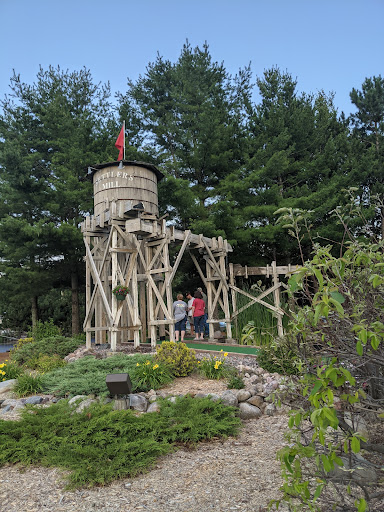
(225, 354)
(148, 362)
(156, 366)
(137, 364)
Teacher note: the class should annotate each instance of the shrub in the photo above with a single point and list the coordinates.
(235, 382)
(10, 370)
(45, 363)
(280, 356)
(59, 345)
(180, 359)
(100, 445)
(148, 375)
(20, 343)
(44, 330)
(28, 384)
(87, 375)
(214, 367)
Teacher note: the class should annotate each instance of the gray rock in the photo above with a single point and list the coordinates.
(360, 471)
(76, 398)
(7, 385)
(138, 403)
(153, 407)
(34, 400)
(256, 400)
(270, 410)
(9, 401)
(85, 403)
(242, 395)
(229, 398)
(248, 411)
(200, 395)
(7, 408)
(214, 397)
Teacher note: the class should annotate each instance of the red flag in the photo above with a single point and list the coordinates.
(120, 143)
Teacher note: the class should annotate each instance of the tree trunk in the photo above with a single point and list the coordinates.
(34, 311)
(75, 304)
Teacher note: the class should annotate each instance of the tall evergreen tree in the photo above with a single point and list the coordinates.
(193, 113)
(297, 149)
(51, 130)
(367, 142)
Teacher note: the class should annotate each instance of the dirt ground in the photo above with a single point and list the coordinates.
(3, 356)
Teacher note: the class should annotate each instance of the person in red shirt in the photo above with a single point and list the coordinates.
(198, 310)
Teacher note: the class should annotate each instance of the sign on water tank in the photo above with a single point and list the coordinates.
(102, 182)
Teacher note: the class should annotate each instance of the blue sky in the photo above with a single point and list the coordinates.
(330, 45)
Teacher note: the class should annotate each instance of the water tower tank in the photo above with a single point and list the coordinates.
(125, 181)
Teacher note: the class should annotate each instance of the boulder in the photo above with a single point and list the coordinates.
(248, 411)
(138, 403)
(229, 398)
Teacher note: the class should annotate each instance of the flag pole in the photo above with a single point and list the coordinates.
(124, 137)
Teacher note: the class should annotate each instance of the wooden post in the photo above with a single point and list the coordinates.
(227, 312)
(88, 333)
(143, 313)
(233, 294)
(150, 305)
(276, 296)
(209, 300)
(112, 330)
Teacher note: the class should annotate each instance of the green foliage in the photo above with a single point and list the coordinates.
(55, 345)
(148, 375)
(214, 367)
(256, 324)
(45, 363)
(235, 382)
(28, 384)
(100, 445)
(9, 370)
(87, 375)
(340, 334)
(44, 330)
(180, 359)
(280, 356)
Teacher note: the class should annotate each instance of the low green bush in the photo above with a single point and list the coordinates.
(214, 367)
(100, 445)
(45, 329)
(279, 357)
(10, 370)
(180, 359)
(27, 384)
(55, 345)
(151, 375)
(45, 363)
(235, 382)
(87, 375)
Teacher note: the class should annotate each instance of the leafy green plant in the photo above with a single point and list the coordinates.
(149, 375)
(235, 382)
(87, 375)
(339, 334)
(255, 325)
(27, 384)
(100, 445)
(281, 356)
(55, 345)
(44, 330)
(45, 363)
(180, 359)
(10, 370)
(214, 367)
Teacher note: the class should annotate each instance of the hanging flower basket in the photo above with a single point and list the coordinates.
(120, 292)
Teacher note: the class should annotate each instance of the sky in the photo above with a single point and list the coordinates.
(330, 45)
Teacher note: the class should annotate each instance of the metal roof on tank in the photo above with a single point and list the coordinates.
(93, 168)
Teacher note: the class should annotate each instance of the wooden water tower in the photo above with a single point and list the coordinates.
(128, 244)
